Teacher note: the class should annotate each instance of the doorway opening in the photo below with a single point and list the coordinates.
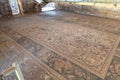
(50, 6)
(14, 7)
(39, 1)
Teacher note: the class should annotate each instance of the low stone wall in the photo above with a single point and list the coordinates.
(28, 5)
(96, 9)
(5, 9)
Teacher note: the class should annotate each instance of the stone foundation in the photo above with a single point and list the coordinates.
(5, 9)
(28, 7)
(96, 9)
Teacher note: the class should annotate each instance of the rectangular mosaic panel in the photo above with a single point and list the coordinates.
(91, 49)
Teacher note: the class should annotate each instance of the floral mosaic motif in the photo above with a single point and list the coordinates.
(66, 68)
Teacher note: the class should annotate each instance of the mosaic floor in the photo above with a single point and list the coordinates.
(63, 46)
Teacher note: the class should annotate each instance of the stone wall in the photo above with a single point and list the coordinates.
(27, 5)
(96, 9)
(5, 9)
(30, 6)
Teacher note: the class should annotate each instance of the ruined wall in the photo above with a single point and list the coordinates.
(28, 6)
(5, 9)
(96, 9)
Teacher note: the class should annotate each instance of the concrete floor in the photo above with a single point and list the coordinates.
(62, 46)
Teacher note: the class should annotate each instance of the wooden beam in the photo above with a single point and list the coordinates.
(21, 7)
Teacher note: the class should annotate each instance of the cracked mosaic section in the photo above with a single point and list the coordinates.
(66, 68)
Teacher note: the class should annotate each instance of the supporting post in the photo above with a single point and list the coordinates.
(21, 7)
(15, 67)
(18, 71)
